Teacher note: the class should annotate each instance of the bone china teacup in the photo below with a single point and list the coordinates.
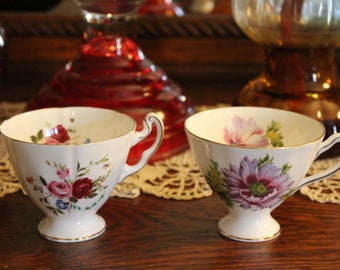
(68, 160)
(253, 158)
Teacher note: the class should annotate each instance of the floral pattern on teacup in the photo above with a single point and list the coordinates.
(246, 132)
(62, 194)
(57, 135)
(256, 184)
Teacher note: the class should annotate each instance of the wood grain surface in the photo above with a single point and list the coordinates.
(154, 233)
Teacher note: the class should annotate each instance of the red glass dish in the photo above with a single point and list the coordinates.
(112, 72)
(161, 7)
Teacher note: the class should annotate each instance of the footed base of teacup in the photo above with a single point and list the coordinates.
(69, 231)
(246, 230)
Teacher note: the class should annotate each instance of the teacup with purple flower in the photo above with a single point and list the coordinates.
(253, 158)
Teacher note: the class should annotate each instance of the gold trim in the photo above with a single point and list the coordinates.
(77, 239)
(241, 239)
(259, 148)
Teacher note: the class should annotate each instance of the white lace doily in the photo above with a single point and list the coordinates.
(327, 190)
(175, 178)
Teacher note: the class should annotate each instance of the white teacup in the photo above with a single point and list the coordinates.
(253, 158)
(68, 160)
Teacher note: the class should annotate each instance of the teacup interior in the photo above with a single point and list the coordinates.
(254, 127)
(70, 125)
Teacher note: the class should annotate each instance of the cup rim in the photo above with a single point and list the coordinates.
(323, 133)
(41, 110)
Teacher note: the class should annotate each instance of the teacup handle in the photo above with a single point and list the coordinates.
(325, 145)
(150, 118)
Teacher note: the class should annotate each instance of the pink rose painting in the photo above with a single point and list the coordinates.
(254, 184)
(63, 192)
(246, 132)
(57, 135)
(243, 132)
(59, 189)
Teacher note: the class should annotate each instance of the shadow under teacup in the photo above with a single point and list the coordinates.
(69, 160)
(253, 158)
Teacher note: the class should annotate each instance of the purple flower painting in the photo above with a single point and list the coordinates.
(254, 184)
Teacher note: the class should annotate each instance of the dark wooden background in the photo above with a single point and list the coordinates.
(198, 52)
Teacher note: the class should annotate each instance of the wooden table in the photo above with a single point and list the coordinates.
(153, 233)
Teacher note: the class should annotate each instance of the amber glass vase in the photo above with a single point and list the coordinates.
(112, 72)
(300, 38)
